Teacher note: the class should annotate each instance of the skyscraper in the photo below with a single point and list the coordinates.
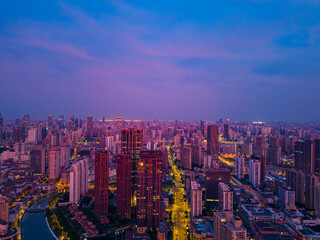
(202, 127)
(213, 140)
(312, 183)
(101, 183)
(119, 124)
(84, 176)
(50, 121)
(317, 157)
(4, 209)
(226, 131)
(89, 133)
(78, 180)
(225, 197)
(263, 168)
(37, 155)
(195, 154)
(25, 122)
(186, 157)
(149, 189)
(65, 154)
(240, 167)
(274, 155)
(254, 172)
(317, 201)
(54, 164)
(196, 199)
(296, 181)
(213, 178)
(74, 193)
(132, 142)
(1, 120)
(304, 156)
(287, 198)
(123, 197)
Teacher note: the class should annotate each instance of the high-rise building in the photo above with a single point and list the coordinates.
(186, 157)
(78, 180)
(202, 127)
(84, 176)
(149, 189)
(240, 167)
(74, 192)
(65, 154)
(304, 156)
(213, 145)
(123, 197)
(219, 218)
(25, 122)
(119, 123)
(274, 155)
(89, 133)
(296, 181)
(225, 197)
(233, 230)
(54, 164)
(287, 199)
(32, 135)
(263, 168)
(196, 154)
(101, 183)
(317, 201)
(312, 182)
(1, 120)
(213, 178)
(317, 157)
(50, 121)
(254, 172)
(37, 155)
(226, 131)
(196, 200)
(132, 142)
(4, 209)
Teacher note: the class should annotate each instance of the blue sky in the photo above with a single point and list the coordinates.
(249, 60)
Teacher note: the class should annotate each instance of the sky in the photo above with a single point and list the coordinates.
(250, 60)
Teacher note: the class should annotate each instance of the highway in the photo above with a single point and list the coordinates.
(180, 207)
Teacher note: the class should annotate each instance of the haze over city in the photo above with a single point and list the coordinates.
(250, 60)
(159, 120)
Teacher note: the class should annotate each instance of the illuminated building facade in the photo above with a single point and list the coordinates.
(132, 142)
(101, 183)
(123, 197)
(54, 164)
(149, 189)
(213, 140)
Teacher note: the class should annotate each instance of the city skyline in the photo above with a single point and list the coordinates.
(248, 60)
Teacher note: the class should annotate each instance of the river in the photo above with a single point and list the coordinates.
(33, 225)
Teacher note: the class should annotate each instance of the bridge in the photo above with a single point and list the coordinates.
(35, 209)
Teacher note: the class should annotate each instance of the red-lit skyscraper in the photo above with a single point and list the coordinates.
(213, 140)
(132, 142)
(149, 187)
(123, 197)
(101, 183)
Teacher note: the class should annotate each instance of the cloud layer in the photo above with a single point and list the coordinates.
(249, 60)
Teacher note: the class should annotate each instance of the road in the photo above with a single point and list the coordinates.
(180, 207)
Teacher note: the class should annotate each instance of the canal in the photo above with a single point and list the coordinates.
(33, 224)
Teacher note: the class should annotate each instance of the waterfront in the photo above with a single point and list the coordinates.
(33, 225)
